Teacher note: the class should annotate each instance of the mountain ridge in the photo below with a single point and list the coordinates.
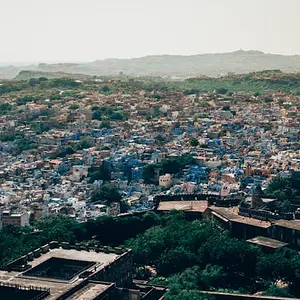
(211, 64)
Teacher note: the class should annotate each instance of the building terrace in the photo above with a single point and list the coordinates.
(267, 242)
(62, 271)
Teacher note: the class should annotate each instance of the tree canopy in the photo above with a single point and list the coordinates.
(188, 256)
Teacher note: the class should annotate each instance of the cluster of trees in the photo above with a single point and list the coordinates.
(107, 113)
(106, 193)
(26, 99)
(11, 136)
(11, 87)
(196, 256)
(74, 106)
(34, 81)
(285, 189)
(16, 241)
(25, 144)
(100, 173)
(68, 150)
(170, 165)
(40, 127)
(255, 82)
(38, 83)
(22, 142)
(5, 108)
(104, 124)
(188, 256)
(60, 83)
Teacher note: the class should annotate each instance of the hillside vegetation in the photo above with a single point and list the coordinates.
(256, 82)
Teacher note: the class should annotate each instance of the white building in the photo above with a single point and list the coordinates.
(166, 180)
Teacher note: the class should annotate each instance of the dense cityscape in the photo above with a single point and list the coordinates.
(150, 150)
(92, 163)
(90, 148)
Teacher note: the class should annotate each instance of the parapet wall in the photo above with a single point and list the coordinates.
(210, 198)
(266, 215)
(21, 264)
(186, 197)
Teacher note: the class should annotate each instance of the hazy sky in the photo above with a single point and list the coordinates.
(86, 30)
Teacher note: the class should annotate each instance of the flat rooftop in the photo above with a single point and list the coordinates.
(90, 291)
(231, 214)
(192, 206)
(59, 286)
(292, 224)
(267, 242)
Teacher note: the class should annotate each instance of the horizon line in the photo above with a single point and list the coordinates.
(26, 63)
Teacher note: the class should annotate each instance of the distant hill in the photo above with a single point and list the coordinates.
(25, 75)
(7, 72)
(202, 64)
(173, 65)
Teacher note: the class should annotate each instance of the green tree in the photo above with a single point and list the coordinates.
(142, 273)
(105, 124)
(280, 265)
(5, 107)
(11, 136)
(171, 166)
(24, 100)
(231, 254)
(282, 188)
(117, 116)
(106, 193)
(278, 183)
(105, 89)
(175, 260)
(25, 144)
(74, 106)
(194, 142)
(96, 115)
(40, 127)
(276, 291)
(83, 144)
(160, 139)
(149, 174)
(226, 108)
(221, 91)
(105, 148)
(70, 150)
(268, 99)
(100, 173)
(33, 82)
(212, 275)
(285, 205)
